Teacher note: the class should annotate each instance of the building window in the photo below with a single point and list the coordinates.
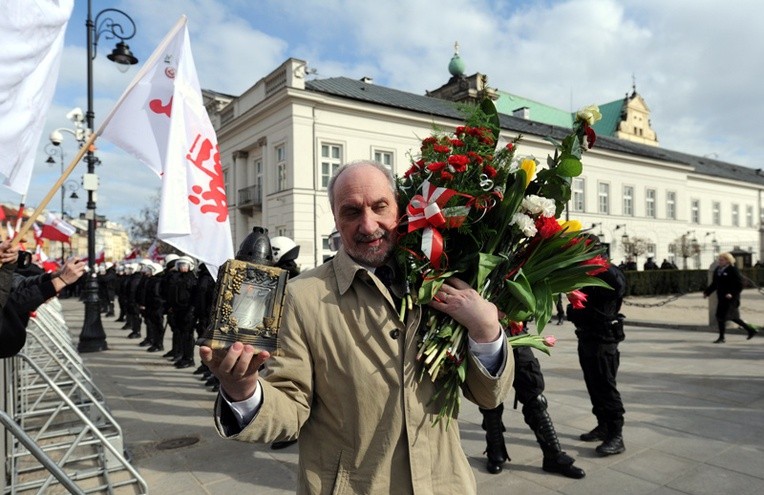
(331, 158)
(281, 168)
(577, 195)
(259, 179)
(695, 211)
(650, 203)
(749, 216)
(603, 198)
(227, 182)
(716, 212)
(671, 205)
(384, 157)
(628, 201)
(736, 215)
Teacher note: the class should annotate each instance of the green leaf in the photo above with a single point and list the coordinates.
(544, 301)
(489, 109)
(486, 264)
(570, 166)
(522, 291)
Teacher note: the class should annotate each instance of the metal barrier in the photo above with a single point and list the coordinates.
(54, 404)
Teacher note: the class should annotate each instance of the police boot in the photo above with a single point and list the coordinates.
(598, 434)
(555, 460)
(613, 444)
(110, 309)
(496, 449)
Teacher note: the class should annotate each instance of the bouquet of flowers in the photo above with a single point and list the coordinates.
(476, 211)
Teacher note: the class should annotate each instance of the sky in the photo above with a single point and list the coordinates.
(697, 64)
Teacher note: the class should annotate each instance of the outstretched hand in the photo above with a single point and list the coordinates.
(237, 368)
(8, 253)
(462, 303)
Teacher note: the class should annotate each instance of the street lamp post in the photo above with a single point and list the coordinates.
(93, 337)
(52, 150)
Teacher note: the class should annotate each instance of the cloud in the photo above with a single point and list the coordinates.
(695, 63)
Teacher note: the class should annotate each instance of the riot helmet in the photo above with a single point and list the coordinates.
(284, 249)
(256, 247)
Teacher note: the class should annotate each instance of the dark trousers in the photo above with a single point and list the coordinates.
(600, 362)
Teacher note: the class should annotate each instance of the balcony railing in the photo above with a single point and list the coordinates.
(250, 198)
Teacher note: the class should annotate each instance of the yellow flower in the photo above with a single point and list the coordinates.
(529, 166)
(590, 114)
(570, 225)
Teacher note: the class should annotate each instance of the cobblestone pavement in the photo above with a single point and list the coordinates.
(694, 422)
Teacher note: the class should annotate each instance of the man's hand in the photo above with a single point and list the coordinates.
(237, 368)
(69, 274)
(8, 254)
(462, 303)
(72, 270)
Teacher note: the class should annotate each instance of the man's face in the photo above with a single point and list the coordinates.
(365, 213)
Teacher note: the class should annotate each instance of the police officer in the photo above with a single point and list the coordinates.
(134, 320)
(180, 302)
(154, 308)
(529, 391)
(599, 328)
(204, 299)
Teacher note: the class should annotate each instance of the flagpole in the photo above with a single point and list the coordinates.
(53, 190)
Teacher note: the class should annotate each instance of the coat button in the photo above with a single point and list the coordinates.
(395, 334)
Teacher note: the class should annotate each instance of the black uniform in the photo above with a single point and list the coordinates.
(133, 308)
(529, 391)
(599, 328)
(179, 301)
(154, 312)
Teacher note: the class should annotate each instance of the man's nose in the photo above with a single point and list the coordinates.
(368, 224)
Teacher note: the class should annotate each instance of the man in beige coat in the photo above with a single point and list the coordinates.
(345, 376)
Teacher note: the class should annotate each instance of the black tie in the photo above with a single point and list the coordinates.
(385, 275)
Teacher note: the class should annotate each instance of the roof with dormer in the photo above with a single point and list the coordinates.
(356, 90)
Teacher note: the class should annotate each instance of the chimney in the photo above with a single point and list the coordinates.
(367, 80)
(522, 112)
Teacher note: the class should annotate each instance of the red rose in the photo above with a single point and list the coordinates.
(439, 148)
(547, 226)
(515, 328)
(489, 171)
(428, 141)
(446, 175)
(591, 136)
(475, 157)
(456, 142)
(459, 162)
(435, 166)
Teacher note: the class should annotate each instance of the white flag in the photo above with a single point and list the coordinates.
(161, 120)
(32, 38)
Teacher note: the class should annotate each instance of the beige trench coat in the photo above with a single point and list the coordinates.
(349, 387)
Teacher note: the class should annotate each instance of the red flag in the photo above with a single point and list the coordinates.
(135, 253)
(161, 120)
(56, 229)
(37, 234)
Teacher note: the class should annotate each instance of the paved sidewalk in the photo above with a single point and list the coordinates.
(694, 423)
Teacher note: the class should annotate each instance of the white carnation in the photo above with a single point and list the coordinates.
(536, 204)
(524, 223)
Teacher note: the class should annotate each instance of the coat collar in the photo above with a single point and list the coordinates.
(346, 268)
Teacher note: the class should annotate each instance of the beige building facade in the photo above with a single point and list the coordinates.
(281, 140)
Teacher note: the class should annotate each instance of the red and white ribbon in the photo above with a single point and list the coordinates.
(425, 212)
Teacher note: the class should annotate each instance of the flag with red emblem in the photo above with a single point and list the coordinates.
(161, 120)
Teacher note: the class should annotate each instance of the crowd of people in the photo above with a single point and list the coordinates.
(341, 342)
(149, 296)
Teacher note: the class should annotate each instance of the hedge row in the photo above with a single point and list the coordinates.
(659, 282)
